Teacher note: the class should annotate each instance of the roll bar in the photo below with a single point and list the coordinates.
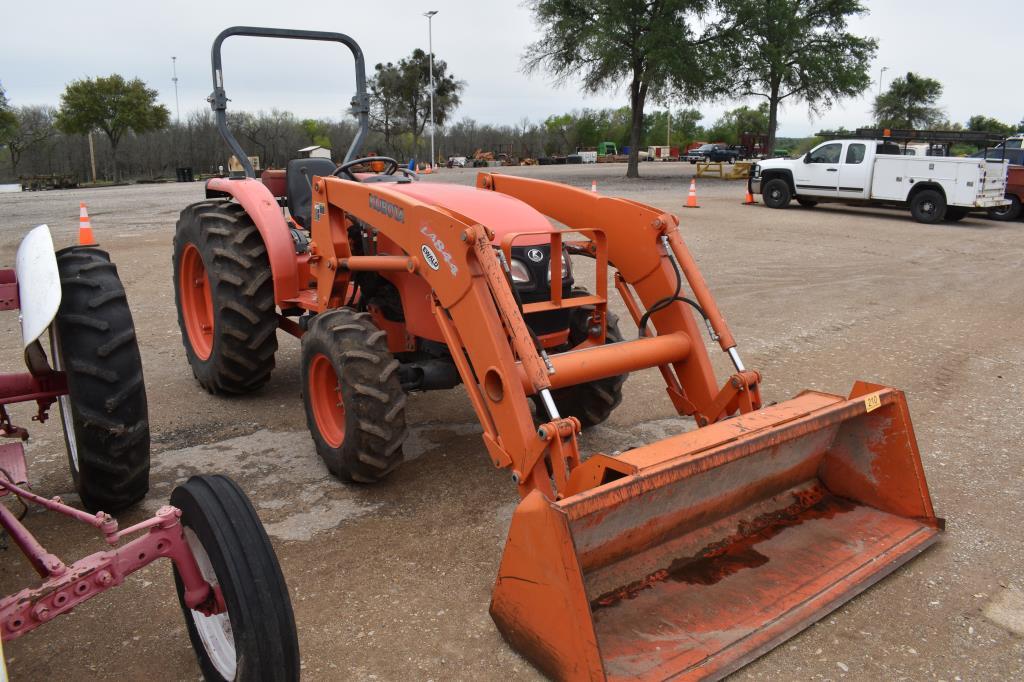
(218, 99)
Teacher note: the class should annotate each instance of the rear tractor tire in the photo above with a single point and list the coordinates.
(104, 413)
(594, 401)
(355, 405)
(224, 291)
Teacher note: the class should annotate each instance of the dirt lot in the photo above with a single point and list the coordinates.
(392, 582)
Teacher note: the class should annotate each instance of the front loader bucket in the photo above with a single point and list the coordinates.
(724, 542)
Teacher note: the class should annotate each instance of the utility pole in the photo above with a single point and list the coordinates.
(430, 45)
(668, 136)
(174, 70)
(92, 158)
(881, 74)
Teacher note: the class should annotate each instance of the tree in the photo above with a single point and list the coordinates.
(796, 50)
(741, 120)
(34, 126)
(400, 96)
(987, 124)
(112, 105)
(8, 120)
(317, 131)
(650, 44)
(910, 102)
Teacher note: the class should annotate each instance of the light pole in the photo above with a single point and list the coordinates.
(174, 70)
(430, 45)
(881, 74)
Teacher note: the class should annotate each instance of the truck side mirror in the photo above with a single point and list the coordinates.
(807, 157)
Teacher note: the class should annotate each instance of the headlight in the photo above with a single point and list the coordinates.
(520, 273)
(755, 171)
(566, 266)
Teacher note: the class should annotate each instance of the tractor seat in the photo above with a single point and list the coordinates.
(300, 187)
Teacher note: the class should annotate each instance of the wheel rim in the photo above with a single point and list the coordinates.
(214, 631)
(928, 207)
(326, 401)
(196, 302)
(64, 400)
(1001, 211)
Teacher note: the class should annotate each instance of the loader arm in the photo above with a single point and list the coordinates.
(680, 559)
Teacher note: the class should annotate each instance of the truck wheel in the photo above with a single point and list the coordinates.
(255, 638)
(776, 193)
(355, 405)
(928, 206)
(104, 414)
(955, 213)
(224, 292)
(806, 203)
(1011, 211)
(594, 401)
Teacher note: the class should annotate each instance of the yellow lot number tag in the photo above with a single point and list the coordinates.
(872, 402)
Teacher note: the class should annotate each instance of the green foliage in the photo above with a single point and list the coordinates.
(734, 123)
(685, 128)
(317, 131)
(655, 48)
(400, 97)
(987, 124)
(8, 120)
(910, 102)
(796, 50)
(113, 105)
(33, 127)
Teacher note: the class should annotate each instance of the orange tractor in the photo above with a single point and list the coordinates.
(683, 558)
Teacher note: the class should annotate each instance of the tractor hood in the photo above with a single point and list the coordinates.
(499, 212)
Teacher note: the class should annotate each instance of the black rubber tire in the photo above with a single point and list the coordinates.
(928, 206)
(242, 291)
(594, 401)
(104, 414)
(776, 193)
(956, 213)
(370, 390)
(220, 517)
(806, 203)
(1010, 212)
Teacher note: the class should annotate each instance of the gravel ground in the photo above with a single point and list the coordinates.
(392, 582)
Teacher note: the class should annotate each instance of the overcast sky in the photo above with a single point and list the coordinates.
(973, 48)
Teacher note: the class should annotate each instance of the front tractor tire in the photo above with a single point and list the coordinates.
(592, 402)
(355, 405)
(224, 291)
(104, 413)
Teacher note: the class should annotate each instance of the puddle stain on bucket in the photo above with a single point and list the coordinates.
(735, 553)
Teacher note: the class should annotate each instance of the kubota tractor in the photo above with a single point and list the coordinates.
(684, 558)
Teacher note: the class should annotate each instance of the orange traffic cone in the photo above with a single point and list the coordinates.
(593, 186)
(691, 199)
(749, 201)
(85, 236)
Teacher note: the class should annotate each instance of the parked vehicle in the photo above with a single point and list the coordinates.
(633, 565)
(1015, 156)
(1014, 194)
(722, 154)
(701, 153)
(865, 171)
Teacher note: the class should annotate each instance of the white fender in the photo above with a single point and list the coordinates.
(38, 283)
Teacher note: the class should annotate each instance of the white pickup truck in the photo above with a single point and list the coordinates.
(935, 188)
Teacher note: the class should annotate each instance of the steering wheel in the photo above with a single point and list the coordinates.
(390, 168)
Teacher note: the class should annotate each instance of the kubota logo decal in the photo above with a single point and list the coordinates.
(432, 259)
(536, 255)
(387, 208)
